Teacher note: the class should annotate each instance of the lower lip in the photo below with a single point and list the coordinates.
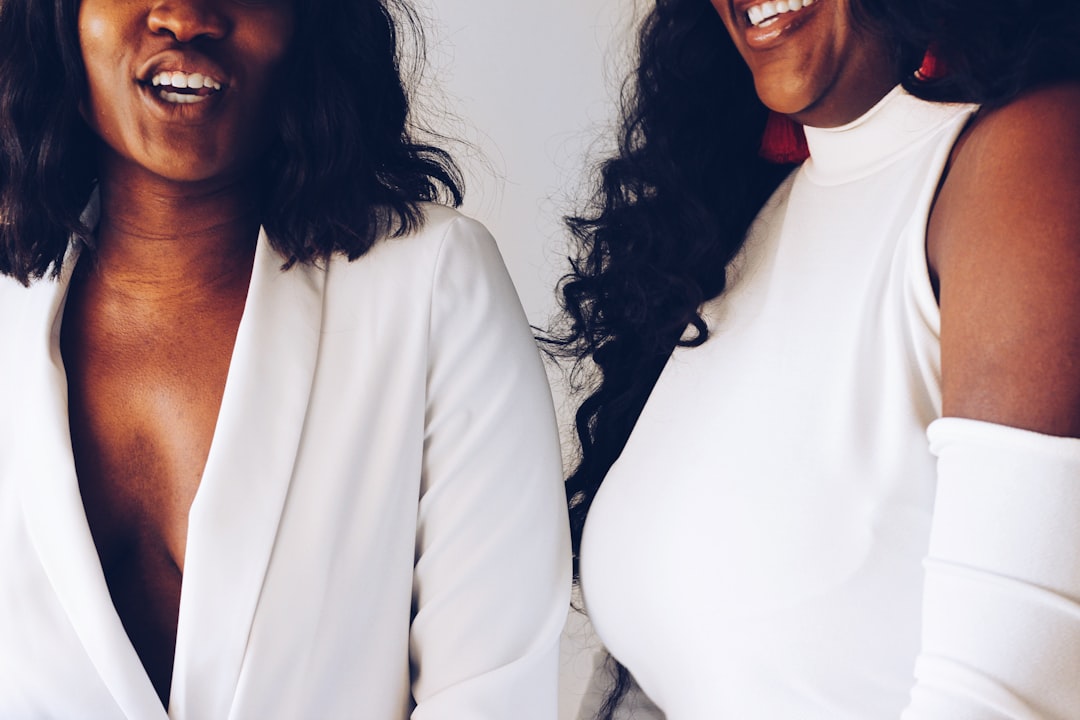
(775, 32)
(180, 110)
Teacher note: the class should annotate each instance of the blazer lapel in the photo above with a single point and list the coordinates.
(53, 505)
(234, 518)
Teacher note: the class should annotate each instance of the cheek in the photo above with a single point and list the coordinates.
(96, 42)
(724, 11)
(274, 38)
(266, 48)
(94, 32)
(733, 31)
(91, 44)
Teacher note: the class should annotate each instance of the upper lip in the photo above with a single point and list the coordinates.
(185, 62)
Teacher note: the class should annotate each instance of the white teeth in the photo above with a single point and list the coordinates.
(180, 98)
(173, 79)
(761, 14)
(176, 79)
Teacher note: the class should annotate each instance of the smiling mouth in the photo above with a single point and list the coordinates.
(182, 88)
(767, 13)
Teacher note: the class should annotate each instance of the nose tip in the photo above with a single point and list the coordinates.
(187, 20)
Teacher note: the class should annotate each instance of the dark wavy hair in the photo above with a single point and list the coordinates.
(673, 205)
(343, 168)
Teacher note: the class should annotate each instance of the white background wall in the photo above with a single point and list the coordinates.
(531, 86)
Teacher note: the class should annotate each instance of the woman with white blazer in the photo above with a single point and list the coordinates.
(275, 441)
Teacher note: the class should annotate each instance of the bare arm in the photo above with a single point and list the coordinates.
(1001, 602)
(1004, 242)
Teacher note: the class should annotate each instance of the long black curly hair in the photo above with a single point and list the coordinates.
(672, 207)
(344, 165)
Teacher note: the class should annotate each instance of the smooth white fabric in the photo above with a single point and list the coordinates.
(381, 520)
(1001, 618)
(756, 551)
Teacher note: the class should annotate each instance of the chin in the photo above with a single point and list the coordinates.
(186, 169)
(788, 96)
(786, 104)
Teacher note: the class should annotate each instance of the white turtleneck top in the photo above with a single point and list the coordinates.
(758, 549)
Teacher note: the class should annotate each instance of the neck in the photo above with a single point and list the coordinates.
(159, 240)
(854, 106)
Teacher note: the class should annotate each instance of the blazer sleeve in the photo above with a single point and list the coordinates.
(492, 574)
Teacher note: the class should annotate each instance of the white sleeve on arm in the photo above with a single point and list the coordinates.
(492, 577)
(1001, 607)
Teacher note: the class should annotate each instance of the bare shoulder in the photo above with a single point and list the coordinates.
(1004, 244)
(1019, 158)
(1026, 118)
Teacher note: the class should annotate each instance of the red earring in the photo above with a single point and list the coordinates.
(932, 67)
(783, 140)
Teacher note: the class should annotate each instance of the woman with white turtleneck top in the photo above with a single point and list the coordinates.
(853, 488)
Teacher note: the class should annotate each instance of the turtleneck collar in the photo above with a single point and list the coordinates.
(893, 127)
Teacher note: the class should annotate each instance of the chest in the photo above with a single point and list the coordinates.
(779, 474)
(143, 402)
(142, 413)
(312, 482)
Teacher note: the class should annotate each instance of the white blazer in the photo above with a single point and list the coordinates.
(380, 531)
